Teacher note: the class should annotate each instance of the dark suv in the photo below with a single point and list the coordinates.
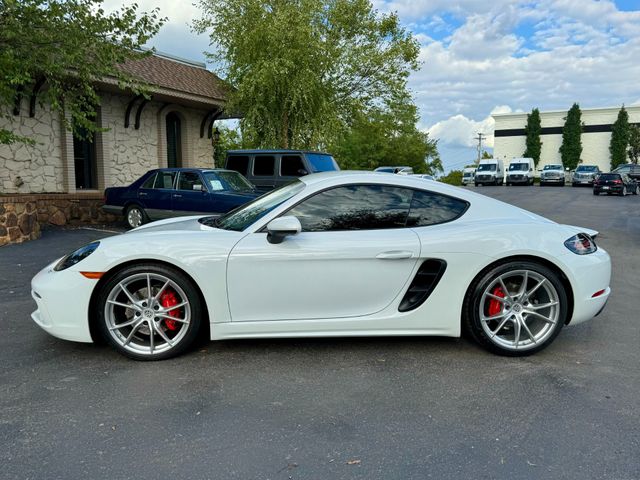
(617, 183)
(268, 169)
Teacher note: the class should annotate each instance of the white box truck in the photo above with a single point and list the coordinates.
(520, 171)
(490, 171)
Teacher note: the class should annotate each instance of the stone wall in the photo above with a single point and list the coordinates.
(122, 154)
(39, 166)
(23, 216)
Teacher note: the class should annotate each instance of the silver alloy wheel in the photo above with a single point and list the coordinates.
(134, 217)
(528, 310)
(136, 318)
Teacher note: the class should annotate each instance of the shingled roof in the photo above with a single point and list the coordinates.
(179, 75)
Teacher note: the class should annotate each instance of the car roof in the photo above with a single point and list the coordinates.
(279, 150)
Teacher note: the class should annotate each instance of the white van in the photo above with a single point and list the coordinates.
(490, 171)
(467, 175)
(520, 171)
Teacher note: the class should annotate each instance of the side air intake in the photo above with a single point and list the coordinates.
(426, 279)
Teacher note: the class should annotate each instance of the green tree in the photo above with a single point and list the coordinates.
(619, 139)
(571, 148)
(301, 69)
(532, 130)
(70, 44)
(485, 155)
(230, 139)
(634, 143)
(387, 136)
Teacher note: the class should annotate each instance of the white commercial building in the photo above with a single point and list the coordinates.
(509, 136)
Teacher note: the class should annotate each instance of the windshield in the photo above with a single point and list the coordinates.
(609, 176)
(487, 167)
(229, 181)
(552, 167)
(247, 214)
(321, 162)
(467, 174)
(385, 169)
(587, 168)
(518, 167)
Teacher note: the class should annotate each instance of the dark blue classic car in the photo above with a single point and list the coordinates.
(171, 192)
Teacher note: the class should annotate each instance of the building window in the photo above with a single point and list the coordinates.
(174, 141)
(84, 159)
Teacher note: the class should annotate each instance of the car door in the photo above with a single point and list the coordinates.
(156, 197)
(191, 195)
(352, 258)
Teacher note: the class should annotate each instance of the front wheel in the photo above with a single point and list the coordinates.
(515, 309)
(149, 312)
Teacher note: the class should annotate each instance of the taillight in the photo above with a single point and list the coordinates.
(617, 182)
(581, 244)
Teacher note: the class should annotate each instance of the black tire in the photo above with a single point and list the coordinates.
(476, 184)
(636, 190)
(508, 184)
(193, 328)
(542, 184)
(471, 322)
(135, 211)
(596, 192)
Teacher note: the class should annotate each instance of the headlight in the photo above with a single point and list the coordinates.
(77, 256)
(581, 244)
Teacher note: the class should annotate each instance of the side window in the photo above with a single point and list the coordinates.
(428, 208)
(354, 207)
(148, 183)
(239, 163)
(165, 180)
(189, 181)
(291, 166)
(264, 165)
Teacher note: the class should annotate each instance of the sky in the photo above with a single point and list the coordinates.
(480, 57)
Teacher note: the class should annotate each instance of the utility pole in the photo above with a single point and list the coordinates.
(480, 137)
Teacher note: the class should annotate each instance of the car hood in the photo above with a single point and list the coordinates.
(173, 224)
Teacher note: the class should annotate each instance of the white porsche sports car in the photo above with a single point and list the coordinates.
(331, 254)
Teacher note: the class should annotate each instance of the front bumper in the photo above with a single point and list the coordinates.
(517, 179)
(582, 181)
(62, 300)
(551, 180)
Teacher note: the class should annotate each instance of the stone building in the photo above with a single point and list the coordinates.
(509, 135)
(60, 179)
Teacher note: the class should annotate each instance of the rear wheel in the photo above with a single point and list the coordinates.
(136, 216)
(516, 309)
(149, 312)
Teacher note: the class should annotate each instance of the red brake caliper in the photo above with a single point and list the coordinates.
(168, 299)
(495, 306)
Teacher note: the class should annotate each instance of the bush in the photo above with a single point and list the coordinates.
(454, 177)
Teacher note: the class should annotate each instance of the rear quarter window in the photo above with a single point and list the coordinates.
(430, 208)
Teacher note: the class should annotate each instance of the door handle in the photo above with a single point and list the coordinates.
(177, 195)
(395, 255)
(142, 194)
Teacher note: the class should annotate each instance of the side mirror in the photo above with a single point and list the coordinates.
(302, 172)
(281, 227)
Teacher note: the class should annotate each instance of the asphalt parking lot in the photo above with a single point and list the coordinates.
(385, 408)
